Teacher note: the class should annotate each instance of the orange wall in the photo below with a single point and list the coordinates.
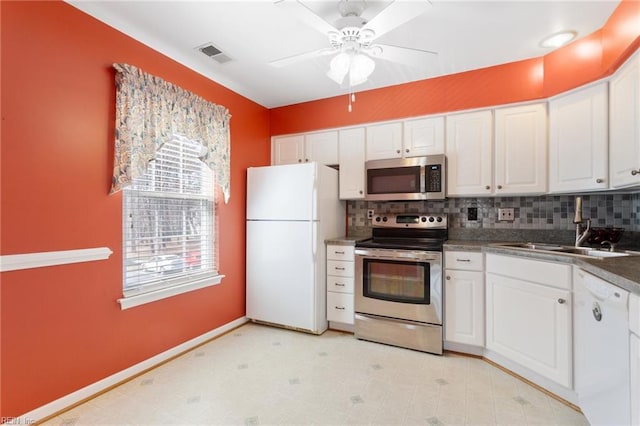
(61, 328)
(588, 59)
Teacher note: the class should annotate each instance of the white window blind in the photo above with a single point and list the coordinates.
(169, 221)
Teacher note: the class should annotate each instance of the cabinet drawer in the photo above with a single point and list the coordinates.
(340, 307)
(464, 260)
(338, 252)
(340, 284)
(339, 268)
(553, 274)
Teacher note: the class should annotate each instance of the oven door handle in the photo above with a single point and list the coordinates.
(400, 255)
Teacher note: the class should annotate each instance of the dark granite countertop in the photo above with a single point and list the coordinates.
(344, 241)
(621, 271)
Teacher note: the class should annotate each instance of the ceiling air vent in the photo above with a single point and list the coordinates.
(213, 52)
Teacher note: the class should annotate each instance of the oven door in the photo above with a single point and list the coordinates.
(403, 284)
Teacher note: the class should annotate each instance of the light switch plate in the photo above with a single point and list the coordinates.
(506, 215)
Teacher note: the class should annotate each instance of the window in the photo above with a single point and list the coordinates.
(169, 224)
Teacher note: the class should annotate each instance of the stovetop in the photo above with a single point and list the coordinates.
(408, 232)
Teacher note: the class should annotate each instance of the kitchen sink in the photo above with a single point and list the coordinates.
(586, 252)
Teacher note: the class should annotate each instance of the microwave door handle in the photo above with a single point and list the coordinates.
(423, 179)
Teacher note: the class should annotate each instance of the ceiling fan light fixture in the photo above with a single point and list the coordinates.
(361, 68)
(339, 67)
(558, 39)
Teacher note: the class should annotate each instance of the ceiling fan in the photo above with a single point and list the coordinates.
(352, 38)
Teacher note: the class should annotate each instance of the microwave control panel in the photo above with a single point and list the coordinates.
(433, 178)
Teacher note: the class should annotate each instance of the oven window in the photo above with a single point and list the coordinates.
(397, 281)
(393, 180)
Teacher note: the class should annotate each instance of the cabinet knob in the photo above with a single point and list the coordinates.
(635, 172)
(561, 301)
(599, 180)
(448, 277)
(397, 151)
(338, 252)
(487, 187)
(306, 160)
(340, 284)
(360, 191)
(499, 186)
(299, 160)
(406, 150)
(340, 308)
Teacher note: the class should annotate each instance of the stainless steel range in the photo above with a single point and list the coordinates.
(398, 297)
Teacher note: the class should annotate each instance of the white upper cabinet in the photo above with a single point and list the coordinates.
(423, 136)
(521, 150)
(351, 162)
(321, 147)
(578, 159)
(384, 141)
(624, 125)
(469, 152)
(288, 149)
(515, 164)
(415, 137)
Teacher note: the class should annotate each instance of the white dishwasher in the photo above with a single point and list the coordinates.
(601, 350)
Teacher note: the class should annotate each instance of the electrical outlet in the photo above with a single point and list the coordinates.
(472, 213)
(370, 214)
(506, 215)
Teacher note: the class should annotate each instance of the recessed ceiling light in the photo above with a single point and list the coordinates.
(558, 39)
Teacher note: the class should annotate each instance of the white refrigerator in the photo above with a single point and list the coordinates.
(291, 210)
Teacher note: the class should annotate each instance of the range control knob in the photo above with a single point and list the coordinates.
(423, 219)
(384, 219)
(431, 219)
(378, 219)
(439, 219)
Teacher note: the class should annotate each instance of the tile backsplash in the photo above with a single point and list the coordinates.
(535, 213)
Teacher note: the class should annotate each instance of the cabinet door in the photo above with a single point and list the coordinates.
(624, 125)
(469, 154)
(288, 149)
(321, 147)
(578, 141)
(384, 141)
(464, 307)
(531, 325)
(634, 347)
(351, 155)
(521, 150)
(423, 136)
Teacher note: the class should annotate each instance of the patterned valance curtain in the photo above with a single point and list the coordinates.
(150, 111)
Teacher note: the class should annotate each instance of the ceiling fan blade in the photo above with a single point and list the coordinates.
(289, 60)
(396, 14)
(303, 14)
(401, 55)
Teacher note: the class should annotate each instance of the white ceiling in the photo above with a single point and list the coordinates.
(466, 34)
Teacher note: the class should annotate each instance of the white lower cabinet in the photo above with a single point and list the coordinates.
(340, 282)
(634, 356)
(529, 315)
(464, 298)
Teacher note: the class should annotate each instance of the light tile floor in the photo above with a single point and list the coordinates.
(260, 375)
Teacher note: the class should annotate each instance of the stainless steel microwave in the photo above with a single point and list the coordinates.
(416, 178)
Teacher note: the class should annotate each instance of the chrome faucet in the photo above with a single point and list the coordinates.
(582, 234)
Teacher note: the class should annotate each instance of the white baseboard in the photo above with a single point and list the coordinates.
(93, 389)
